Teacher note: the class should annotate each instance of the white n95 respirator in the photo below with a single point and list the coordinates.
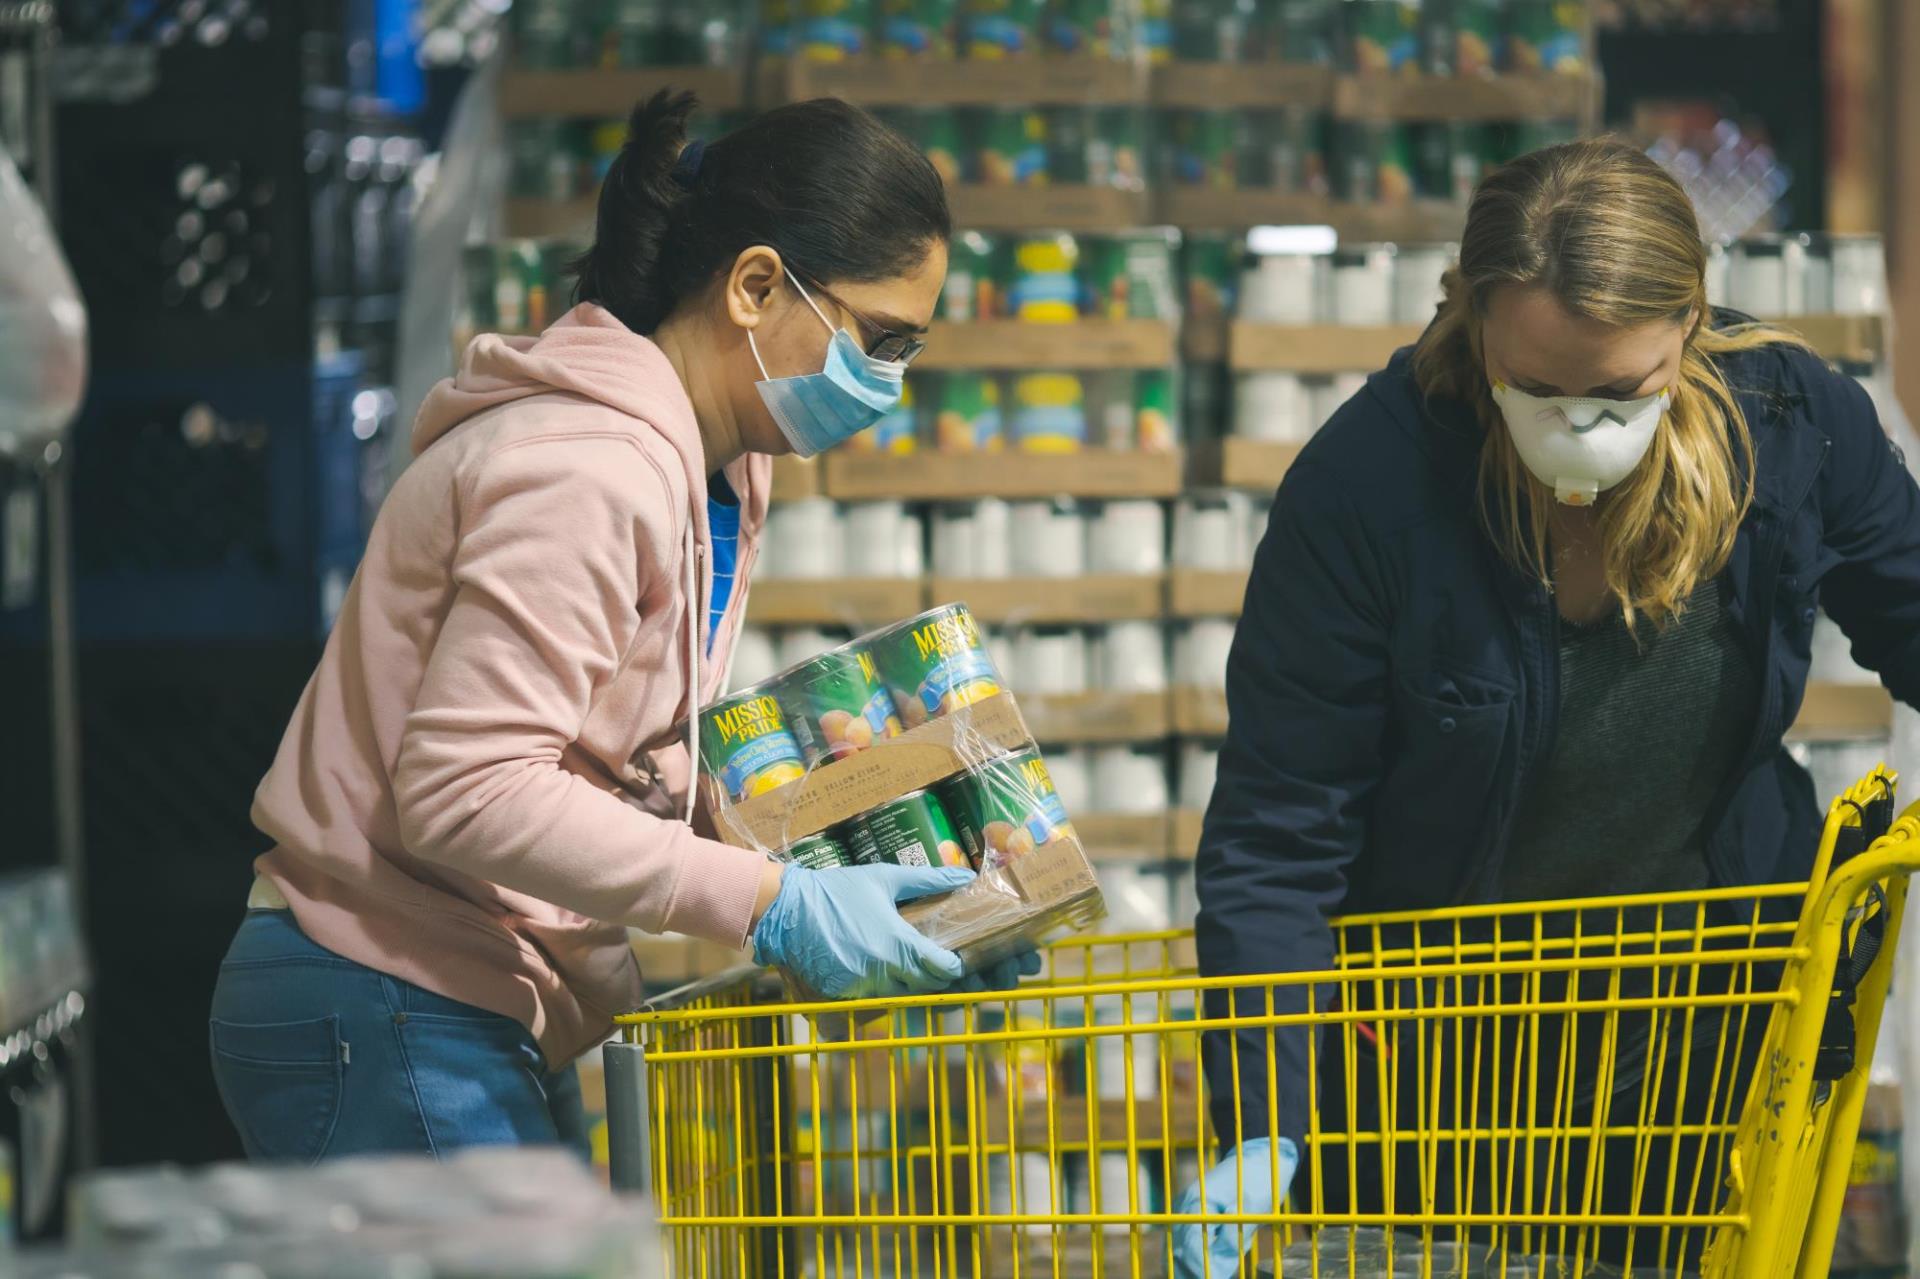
(1580, 447)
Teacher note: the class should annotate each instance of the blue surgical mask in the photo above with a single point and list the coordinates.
(816, 411)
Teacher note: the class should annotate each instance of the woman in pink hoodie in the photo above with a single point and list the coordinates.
(489, 779)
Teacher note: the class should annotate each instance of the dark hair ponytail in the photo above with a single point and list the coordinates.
(838, 194)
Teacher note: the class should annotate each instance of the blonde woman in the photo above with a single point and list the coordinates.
(1530, 618)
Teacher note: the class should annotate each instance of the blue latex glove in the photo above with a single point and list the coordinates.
(840, 930)
(1241, 1182)
(1004, 975)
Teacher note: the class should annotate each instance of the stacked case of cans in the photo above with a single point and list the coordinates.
(989, 30)
(558, 35)
(812, 767)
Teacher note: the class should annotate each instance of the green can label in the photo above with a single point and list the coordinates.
(1208, 264)
(968, 417)
(1132, 277)
(1381, 36)
(917, 28)
(1476, 36)
(818, 852)
(745, 742)
(1006, 809)
(975, 279)
(837, 705)
(1153, 419)
(1545, 35)
(935, 663)
(1003, 28)
(1306, 31)
(913, 830)
(834, 30)
(1012, 147)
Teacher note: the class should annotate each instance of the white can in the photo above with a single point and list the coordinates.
(1053, 660)
(1133, 658)
(1816, 275)
(1119, 1179)
(754, 658)
(1136, 895)
(1362, 288)
(955, 541)
(796, 646)
(1130, 780)
(1072, 774)
(1417, 291)
(1259, 510)
(1282, 288)
(1859, 275)
(1183, 896)
(873, 534)
(1199, 769)
(1833, 656)
(1048, 539)
(1210, 532)
(804, 540)
(1718, 267)
(1200, 653)
(1042, 1191)
(913, 544)
(1272, 406)
(993, 538)
(1329, 393)
(1110, 418)
(1767, 276)
(1128, 537)
(1004, 646)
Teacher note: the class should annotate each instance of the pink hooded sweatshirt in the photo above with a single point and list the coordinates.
(485, 782)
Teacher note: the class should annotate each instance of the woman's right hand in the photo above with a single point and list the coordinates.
(840, 930)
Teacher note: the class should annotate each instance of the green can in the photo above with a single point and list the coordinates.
(544, 35)
(1116, 151)
(913, 830)
(1087, 29)
(1010, 147)
(519, 285)
(1005, 809)
(1210, 270)
(819, 852)
(1532, 135)
(543, 159)
(1206, 148)
(1070, 133)
(836, 704)
(476, 270)
(1213, 30)
(1382, 36)
(935, 663)
(967, 414)
(935, 130)
(637, 33)
(1286, 153)
(1155, 426)
(1131, 276)
(1305, 31)
(1436, 44)
(1476, 37)
(975, 287)
(1546, 35)
(745, 742)
(776, 28)
(834, 30)
(919, 28)
(999, 29)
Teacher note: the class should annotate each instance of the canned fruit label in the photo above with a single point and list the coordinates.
(834, 30)
(1382, 36)
(896, 433)
(1049, 412)
(913, 830)
(818, 852)
(917, 28)
(1012, 150)
(1544, 35)
(975, 278)
(1003, 28)
(745, 742)
(1007, 808)
(1084, 28)
(935, 664)
(968, 420)
(1153, 422)
(838, 705)
(1476, 36)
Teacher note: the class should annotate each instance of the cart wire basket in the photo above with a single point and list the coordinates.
(1654, 1085)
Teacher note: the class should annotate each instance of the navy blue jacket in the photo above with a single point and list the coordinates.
(1393, 684)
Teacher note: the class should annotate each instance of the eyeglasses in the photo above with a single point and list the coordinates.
(885, 343)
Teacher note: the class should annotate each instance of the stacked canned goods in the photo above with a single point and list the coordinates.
(516, 286)
(564, 34)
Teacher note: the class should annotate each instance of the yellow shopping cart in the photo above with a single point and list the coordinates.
(1628, 1086)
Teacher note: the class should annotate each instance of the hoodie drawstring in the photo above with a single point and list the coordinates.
(695, 609)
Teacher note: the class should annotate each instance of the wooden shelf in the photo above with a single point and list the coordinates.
(1200, 712)
(1493, 97)
(1184, 840)
(1204, 341)
(610, 93)
(978, 206)
(1036, 81)
(1315, 348)
(1083, 344)
(1093, 598)
(795, 478)
(1192, 593)
(1077, 718)
(1844, 712)
(1117, 838)
(1091, 473)
(1069, 1120)
(1839, 337)
(1240, 463)
(1212, 209)
(854, 603)
(541, 219)
(1414, 222)
(1216, 86)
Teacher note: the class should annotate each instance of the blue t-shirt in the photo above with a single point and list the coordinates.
(723, 528)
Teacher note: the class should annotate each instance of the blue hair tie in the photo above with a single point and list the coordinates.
(687, 168)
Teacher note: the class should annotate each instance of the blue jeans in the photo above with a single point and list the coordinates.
(318, 1056)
